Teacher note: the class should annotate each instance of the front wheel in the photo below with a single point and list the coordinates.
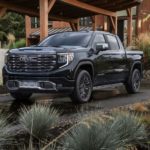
(134, 83)
(83, 88)
(21, 96)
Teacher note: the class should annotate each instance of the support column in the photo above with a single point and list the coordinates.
(129, 39)
(105, 23)
(75, 25)
(43, 18)
(2, 11)
(138, 21)
(28, 29)
(114, 24)
(94, 22)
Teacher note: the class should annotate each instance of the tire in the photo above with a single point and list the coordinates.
(83, 88)
(133, 85)
(21, 96)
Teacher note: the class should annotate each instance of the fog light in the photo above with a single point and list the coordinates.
(11, 84)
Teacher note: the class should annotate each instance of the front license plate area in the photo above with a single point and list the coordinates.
(28, 84)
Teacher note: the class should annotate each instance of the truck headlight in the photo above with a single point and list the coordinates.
(6, 58)
(65, 59)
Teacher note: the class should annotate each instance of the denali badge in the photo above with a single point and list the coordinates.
(27, 59)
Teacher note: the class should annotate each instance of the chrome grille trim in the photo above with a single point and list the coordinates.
(40, 63)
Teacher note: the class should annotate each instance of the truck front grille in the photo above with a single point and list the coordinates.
(31, 63)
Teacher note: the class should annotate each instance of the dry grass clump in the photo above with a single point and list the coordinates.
(143, 43)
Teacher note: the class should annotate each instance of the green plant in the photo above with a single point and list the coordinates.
(97, 136)
(130, 129)
(18, 44)
(125, 130)
(38, 120)
(7, 133)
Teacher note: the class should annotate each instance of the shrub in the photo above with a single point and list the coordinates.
(143, 41)
(38, 120)
(7, 133)
(124, 131)
(130, 129)
(18, 44)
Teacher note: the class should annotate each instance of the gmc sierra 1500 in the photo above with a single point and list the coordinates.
(72, 62)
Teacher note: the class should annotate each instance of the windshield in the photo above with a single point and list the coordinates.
(67, 39)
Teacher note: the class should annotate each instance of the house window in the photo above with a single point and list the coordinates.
(35, 22)
(86, 21)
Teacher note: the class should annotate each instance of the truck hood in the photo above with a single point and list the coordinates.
(47, 50)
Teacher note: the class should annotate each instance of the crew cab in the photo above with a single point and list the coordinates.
(73, 63)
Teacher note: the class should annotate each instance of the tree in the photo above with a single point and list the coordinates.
(12, 23)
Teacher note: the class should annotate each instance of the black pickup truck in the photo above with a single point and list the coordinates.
(73, 63)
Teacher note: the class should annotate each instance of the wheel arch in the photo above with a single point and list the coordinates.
(86, 65)
(137, 65)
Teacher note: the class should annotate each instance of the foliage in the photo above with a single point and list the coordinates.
(143, 43)
(123, 131)
(18, 44)
(7, 133)
(130, 129)
(38, 120)
(12, 23)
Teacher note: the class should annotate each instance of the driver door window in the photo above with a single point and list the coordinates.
(99, 38)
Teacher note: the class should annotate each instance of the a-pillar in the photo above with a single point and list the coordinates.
(28, 29)
(43, 18)
(129, 27)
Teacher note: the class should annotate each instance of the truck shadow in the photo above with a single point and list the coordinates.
(63, 103)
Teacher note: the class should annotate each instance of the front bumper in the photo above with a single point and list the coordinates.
(43, 84)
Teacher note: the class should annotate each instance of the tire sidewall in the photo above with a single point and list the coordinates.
(78, 79)
(135, 71)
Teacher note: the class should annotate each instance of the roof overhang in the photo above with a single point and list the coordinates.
(66, 9)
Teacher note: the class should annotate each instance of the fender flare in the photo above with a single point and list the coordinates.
(80, 64)
(132, 68)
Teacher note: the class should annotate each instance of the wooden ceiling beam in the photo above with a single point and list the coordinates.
(100, 2)
(51, 4)
(125, 6)
(31, 12)
(89, 7)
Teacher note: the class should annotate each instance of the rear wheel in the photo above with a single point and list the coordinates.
(21, 96)
(83, 88)
(134, 83)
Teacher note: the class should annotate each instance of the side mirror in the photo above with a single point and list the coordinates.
(101, 47)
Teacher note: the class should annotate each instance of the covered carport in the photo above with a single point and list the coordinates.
(69, 11)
